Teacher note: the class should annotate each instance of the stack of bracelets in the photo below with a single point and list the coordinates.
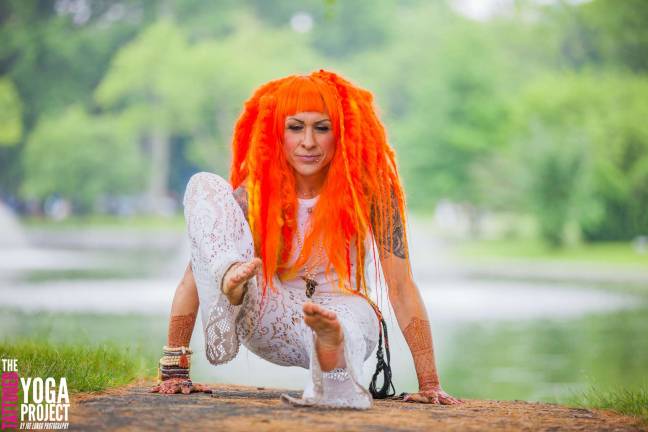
(175, 363)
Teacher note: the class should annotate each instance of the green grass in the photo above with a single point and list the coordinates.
(106, 221)
(632, 402)
(85, 368)
(617, 253)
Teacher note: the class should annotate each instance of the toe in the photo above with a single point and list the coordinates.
(317, 309)
(309, 308)
(324, 313)
(329, 314)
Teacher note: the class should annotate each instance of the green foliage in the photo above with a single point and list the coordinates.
(10, 113)
(341, 29)
(196, 90)
(454, 114)
(349, 28)
(81, 158)
(55, 61)
(553, 180)
(608, 33)
(585, 151)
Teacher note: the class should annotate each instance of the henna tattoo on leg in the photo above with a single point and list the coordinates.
(419, 338)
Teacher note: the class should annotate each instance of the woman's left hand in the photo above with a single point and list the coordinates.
(432, 395)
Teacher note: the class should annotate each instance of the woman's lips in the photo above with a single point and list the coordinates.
(309, 159)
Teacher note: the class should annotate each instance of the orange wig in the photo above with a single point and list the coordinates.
(362, 190)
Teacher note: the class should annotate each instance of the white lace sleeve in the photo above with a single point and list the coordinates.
(219, 237)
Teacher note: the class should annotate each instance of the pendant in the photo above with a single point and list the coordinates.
(310, 286)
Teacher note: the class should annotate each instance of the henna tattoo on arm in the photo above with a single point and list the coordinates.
(392, 242)
(419, 338)
(240, 195)
(180, 330)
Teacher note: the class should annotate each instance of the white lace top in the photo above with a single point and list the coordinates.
(325, 284)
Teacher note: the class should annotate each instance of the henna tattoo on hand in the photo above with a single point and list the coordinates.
(240, 195)
(419, 338)
(180, 329)
(391, 242)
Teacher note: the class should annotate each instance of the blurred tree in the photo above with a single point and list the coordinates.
(55, 52)
(584, 151)
(10, 113)
(43, 43)
(81, 158)
(553, 179)
(454, 115)
(606, 33)
(159, 100)
(195, 91)
(339, 28)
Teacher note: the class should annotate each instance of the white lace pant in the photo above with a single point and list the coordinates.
(271, 327)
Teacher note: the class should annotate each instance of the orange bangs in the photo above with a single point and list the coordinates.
(305, 94)
(362, 193)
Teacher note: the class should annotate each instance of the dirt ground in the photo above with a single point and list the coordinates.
(238, 408)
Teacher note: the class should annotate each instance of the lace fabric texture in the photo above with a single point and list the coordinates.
(272, 327)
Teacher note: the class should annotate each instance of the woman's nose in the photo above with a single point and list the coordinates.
(309, 138)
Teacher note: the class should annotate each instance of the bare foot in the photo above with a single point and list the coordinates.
(235, 277)
(328, 345)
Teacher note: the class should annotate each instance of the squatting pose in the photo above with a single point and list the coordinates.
(285, 257)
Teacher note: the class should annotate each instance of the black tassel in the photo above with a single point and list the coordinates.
(382, 365)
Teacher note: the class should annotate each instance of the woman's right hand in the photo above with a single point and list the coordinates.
(236, 277)
(179, 385)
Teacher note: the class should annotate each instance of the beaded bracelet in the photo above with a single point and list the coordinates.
(177, 350)
(180, 356)
(174, 363)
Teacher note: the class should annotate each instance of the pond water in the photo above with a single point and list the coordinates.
(493, 339)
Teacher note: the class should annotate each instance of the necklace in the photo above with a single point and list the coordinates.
(309, 271)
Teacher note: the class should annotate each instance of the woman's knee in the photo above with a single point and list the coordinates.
(207, 180)
(207, 183)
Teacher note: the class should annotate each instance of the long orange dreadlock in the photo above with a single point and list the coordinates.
(362, 183)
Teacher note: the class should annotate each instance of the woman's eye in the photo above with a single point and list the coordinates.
(323, 128)
(294, 127)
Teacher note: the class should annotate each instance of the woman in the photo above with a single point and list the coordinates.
(284, 257)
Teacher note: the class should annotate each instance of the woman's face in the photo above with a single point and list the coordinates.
(309, 142)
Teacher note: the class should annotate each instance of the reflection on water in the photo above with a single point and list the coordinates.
(495, 340)
(549, 359)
